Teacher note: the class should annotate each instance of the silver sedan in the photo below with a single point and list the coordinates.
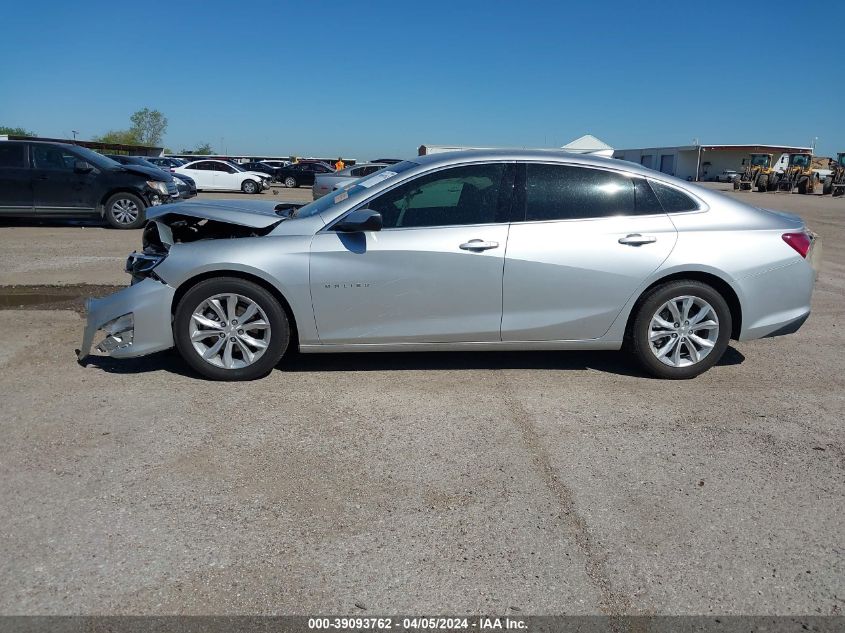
(493, 250)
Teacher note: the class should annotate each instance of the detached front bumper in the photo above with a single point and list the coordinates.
(136, 321)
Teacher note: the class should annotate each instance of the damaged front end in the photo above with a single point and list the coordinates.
(137, 320)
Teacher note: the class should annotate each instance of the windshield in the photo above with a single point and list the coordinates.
(353, 189)
(761, 160)
(95, 158)
(800, 160)
(842, 159)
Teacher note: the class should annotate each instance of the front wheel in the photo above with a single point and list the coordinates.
(250, 186)
(230, 329)
(827, 186)
(804, 186)
(773, 182)
(763, 183)
(125, 211)
(290, 182)
(680, 329)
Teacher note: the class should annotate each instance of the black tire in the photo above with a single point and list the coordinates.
(125, 211)
(279, 337)
(250, 186)
(827, 186)
(290, 182)
(736, 183)
(763, 183)
(638, 341)
(773, 182)
(803, 185)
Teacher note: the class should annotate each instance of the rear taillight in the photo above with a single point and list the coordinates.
(799, 241)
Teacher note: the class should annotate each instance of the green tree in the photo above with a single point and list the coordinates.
(203, 148)
(149, 126)
(123, 137)
(16, 131)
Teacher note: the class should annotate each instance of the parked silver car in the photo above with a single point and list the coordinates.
(326, 183)
(476, 250)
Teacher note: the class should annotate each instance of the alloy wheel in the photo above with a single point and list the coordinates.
(229, 331)
(125, 211)
(683, 331)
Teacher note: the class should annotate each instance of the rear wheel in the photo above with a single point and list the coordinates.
(125, 211)
(681, 329)
(290, 182)
(230, 329)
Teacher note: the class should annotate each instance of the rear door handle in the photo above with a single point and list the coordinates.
(478, 245)
(635, 239)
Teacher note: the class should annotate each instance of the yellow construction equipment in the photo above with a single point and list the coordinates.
(798, 173)
(758, 173)
(834, 184)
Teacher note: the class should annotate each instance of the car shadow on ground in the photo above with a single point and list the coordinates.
(608, 362)
(52, 222)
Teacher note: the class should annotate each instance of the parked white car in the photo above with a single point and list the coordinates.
(727, 175)
(218, 175)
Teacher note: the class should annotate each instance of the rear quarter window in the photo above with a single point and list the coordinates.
(673, 200)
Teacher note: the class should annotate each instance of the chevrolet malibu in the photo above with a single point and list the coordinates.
(493, 250)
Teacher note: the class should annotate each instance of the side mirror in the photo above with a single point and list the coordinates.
(360, 220)
(83, 166)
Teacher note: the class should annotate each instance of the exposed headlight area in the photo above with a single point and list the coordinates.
(120, 333)
(142, 264)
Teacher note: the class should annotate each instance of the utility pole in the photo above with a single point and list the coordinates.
(74, 132)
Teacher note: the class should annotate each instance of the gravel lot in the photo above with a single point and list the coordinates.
(438, 483)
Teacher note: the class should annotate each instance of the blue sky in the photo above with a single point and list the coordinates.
(362, 79)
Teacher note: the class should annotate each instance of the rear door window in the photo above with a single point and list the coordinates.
(562, 192)
(11, 156)
(568, 192)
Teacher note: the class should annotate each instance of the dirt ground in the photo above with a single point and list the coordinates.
(432, 483)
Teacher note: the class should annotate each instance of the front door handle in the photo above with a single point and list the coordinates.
(635, 239)
(478, 245)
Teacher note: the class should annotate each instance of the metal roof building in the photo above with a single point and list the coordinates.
(97, 146)
(700, 162)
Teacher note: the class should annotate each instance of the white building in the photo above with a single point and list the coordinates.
(587, 144)
(700, 162)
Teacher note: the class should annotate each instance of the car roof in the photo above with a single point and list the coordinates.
(50, 143)
(555, 156)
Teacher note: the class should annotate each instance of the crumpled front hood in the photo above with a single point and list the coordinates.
(150, 172)
(258, 214)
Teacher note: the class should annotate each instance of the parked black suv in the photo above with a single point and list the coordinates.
(59, 180)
